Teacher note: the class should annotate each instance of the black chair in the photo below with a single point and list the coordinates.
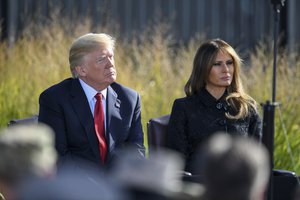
(285, 184)
(157, 139)
(29, 120)
(157, 133)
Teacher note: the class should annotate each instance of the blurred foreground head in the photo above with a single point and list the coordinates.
(26, 151)
(235, 168)
(158, 177)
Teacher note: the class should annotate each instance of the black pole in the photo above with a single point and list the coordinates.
(277, 7)
(269, 108)
(268, 140)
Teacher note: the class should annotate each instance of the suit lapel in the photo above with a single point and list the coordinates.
(113, 117)
(82, 109)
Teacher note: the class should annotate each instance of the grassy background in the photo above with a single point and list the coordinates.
(153, 64)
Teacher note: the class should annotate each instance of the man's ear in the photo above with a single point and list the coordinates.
(81, 71)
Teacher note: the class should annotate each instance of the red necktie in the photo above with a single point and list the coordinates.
(99, 126)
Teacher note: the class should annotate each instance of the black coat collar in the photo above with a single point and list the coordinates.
(208, 100)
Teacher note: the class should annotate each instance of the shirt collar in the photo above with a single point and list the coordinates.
(91, 92)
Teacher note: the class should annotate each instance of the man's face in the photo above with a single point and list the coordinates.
(98, 68)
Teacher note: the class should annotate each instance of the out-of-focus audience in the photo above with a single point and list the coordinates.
(158, 177)
(28, 170)
(233, 168)
(73, 186)
(26, 152)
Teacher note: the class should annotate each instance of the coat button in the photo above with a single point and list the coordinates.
(219, 105)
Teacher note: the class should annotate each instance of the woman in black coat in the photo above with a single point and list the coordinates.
(215, 102)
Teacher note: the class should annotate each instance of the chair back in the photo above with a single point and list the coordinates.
(157, 133)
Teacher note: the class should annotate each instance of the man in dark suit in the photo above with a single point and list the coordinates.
(69, 107)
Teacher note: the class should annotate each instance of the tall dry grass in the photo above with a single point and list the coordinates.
(258, 81)
(154, 64)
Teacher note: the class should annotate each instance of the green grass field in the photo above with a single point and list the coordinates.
(154, 67)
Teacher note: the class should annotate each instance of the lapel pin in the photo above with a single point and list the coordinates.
(118, 103)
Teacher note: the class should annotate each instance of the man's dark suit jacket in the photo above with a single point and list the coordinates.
(65, 108)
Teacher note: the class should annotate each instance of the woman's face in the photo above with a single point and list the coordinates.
(221, 73)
